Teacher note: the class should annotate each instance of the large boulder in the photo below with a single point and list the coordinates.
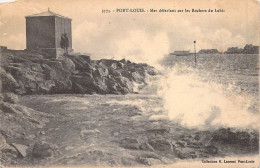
(101, 86)
(101, 72)
(33, 66)
(112, 86)
(56, 65)
(113, 72)
(83, 84)
(50, 73)
(61, 86)
(86, 58)
(9, 84)
(21, 149)
(42, 150)
(127, 74)
(78, 89)
(126, 83)
(67, 64)
(83, 80)
(81, 62)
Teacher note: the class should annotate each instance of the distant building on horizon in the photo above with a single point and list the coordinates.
(50, 33)
(181, 53)
(208, 51)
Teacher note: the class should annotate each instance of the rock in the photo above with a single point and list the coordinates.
(160, 145)
(33, 66)
(101, 72)
(137, 77)
(31, 73)
(125, 82)
(61, 86)
(56, 65)
(42, 150)
(243, 137)
(101, 86)
(108, 63)
(49, 72)
(7, 108)
(211, 149)
(78, 89)
(143, 161)
(152, 71)
(9, 84)
(81, 62)
(6, 148)
(10, 98)
(46, 86)
(123, 61)
(225, 135)
(67, 64)
(128, 62)
(85, 58)
(114, 65)
(112, 86)
(127, 75)
(84, 81)
(183, 155)
(14, 71)
(113, 72)
(21, 149)
(87, 74)
(120, 65)
(181, 143)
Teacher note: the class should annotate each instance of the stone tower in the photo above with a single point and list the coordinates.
(50, 33)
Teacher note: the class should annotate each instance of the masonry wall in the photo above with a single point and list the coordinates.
(40, 32)
(62, 25)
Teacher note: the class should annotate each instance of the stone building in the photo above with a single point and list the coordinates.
(50, 33)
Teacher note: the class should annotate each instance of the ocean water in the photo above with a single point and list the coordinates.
(185, 104)
(218, 91)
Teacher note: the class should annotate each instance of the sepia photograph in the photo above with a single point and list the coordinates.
(129, 83)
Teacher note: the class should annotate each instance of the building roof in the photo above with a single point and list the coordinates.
(47, 13)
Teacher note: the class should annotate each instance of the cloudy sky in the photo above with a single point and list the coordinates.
(141, 36)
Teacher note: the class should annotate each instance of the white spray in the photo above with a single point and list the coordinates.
(193, 102)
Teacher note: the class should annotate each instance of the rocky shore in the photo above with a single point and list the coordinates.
(60, 130)
(59, 123)
(26, 73)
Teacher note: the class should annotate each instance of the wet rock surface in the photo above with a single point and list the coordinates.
(42, 150)
(111, 130)
(18, 128)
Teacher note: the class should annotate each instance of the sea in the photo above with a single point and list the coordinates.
(181, 105)
(220, 89)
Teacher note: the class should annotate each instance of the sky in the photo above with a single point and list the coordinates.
(139, 35)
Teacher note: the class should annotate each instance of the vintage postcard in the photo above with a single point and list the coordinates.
(120, 83)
